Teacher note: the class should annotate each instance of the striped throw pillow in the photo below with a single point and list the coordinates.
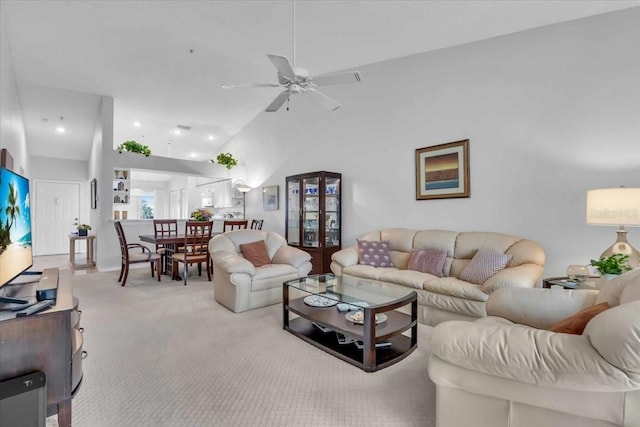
(484, 264)
(428, 261)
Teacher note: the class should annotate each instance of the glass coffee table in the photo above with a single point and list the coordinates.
(366, 323)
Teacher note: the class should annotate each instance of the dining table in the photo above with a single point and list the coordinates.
(170, 243)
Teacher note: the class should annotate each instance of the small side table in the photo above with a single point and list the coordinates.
(567, 284)
(72, 250)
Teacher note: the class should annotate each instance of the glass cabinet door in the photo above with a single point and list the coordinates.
(310, 212)
(332, 212)
(293, 213)
(314, 216)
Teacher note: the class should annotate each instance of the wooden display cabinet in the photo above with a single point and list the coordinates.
(314, 216)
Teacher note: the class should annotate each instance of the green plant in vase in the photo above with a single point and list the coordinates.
(83, 229)
(202, 214)
(615, 264)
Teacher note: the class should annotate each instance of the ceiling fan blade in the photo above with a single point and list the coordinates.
(337, 78)
(327, 102)
(283, 66)
(277, 103)
(232, 86)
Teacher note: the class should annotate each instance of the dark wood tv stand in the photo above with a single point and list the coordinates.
(49, 341)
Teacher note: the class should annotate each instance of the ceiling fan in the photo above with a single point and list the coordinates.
(298, 80)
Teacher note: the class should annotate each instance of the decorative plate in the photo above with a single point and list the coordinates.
(358, 317)
(319, 301)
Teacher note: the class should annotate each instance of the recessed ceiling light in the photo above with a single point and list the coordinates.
(211, 137)
(192, 155)
(176, 132)
(137, 124)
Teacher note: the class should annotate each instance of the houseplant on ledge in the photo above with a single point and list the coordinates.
(83, 229)
(612, 266)
(226, 159)
(134, 147)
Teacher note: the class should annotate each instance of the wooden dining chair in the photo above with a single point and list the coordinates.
(196, 249)
(256, 224)
(133, 258)
(230, 225)
(164, 228)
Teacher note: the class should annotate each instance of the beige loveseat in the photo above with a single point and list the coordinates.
(447, 297)
(241, 286)
(510, 371)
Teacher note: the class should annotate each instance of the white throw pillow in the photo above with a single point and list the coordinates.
(631, 292)
(611, 290)
(614, 334)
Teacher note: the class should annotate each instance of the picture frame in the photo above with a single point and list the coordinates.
(270, 198)
(6, 161)
(94, 193)
(442, 171)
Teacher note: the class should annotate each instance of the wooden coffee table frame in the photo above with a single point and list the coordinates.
(369, 358)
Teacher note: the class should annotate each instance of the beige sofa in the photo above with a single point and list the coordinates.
(241, 286)
(447, 297)
(508, 371)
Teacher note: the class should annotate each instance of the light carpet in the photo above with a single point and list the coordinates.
(165, 354)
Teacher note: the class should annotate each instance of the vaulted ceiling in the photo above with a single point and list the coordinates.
(164, 61)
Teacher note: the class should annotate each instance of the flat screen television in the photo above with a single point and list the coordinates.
(16, 253)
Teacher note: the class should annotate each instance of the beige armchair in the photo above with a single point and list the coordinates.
(241, 286)
(511, 371)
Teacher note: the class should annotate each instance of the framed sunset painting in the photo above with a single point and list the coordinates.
(442, 171)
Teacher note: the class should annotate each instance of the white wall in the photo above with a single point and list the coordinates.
(58, 169)
(12, 133)
(550, 113)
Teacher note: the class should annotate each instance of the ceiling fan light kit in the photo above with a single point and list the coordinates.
(298, 80)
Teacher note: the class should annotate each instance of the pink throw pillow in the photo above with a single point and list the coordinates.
(484, 264)
(374, 253)
(428, 261)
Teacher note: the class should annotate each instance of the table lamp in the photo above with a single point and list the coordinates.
(616, 206)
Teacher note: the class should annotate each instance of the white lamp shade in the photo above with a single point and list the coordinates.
(614, 206)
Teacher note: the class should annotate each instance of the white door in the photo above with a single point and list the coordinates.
(57, 211)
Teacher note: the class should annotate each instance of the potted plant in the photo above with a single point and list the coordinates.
(134, 147)
(613, 265)
(226, 159)
(83, 229)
